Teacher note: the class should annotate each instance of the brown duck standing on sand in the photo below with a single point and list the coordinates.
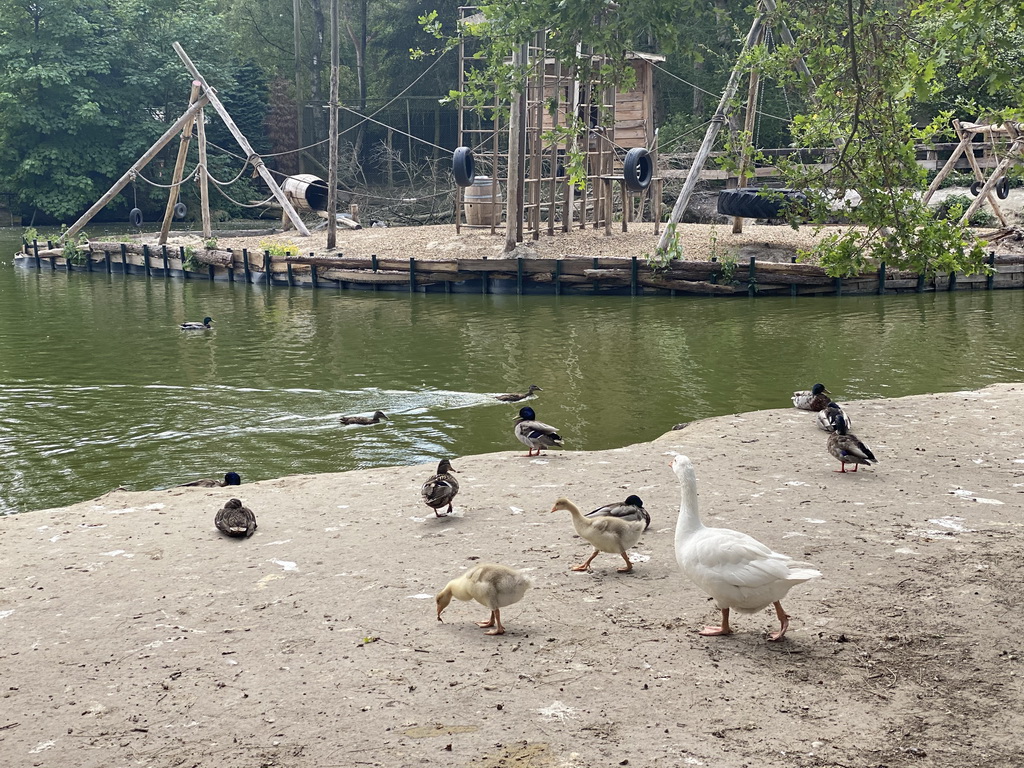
(512, 397)
(235, 520)
(493, 586)
(377, 417)
(441, 488)
(847, 447)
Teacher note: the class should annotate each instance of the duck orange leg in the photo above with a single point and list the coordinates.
(783, 622)
(586, 565)
(717, 631)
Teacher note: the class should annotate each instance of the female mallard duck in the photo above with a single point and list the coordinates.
(606, 534)
(231, 478)
(631, 510)
(737, 570)
(847, 447)
(441, 488)
(512, 397)
(827, 418)
(235, 520)
(534, 434)
(192, 325)
(493, 586)
(816, 399)
(377, 417)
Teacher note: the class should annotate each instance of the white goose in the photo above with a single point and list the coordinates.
(493, 586)
(737, 570)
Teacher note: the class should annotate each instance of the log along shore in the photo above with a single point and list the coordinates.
(135, 634)
(436, 259)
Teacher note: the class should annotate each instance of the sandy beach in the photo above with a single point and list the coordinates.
(136, 635)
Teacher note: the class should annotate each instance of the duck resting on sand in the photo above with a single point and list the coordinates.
(535, 435)
(512, 397)
(606, 534)
(235, 520)
(632, 510)
(815, 399)
(192, 325)
(827, 418)
(231, 478)
(440, 489)
(737, 570)
(377, 417)
(847, 447)
(493, 586)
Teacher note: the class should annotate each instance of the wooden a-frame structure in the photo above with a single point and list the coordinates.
(201, 96)
(756, 34)
(967, 132)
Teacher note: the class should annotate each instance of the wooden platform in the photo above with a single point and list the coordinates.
(570, 275)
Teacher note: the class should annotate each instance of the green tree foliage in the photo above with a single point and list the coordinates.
(87, 86)
(867, 61)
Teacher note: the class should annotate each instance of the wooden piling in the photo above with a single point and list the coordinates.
(124, 261)
(991, 278)
(181, 256)
(245, 265)
(145, 260)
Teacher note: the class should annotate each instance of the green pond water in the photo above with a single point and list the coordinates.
(99, 388)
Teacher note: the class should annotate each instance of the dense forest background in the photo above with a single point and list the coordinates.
(86, 86)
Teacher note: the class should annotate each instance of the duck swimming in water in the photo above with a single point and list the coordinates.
(377, 417)
(192, 325)
(512, 397)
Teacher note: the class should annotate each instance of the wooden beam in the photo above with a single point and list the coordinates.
(709, 140)
(250, 154)
(179, 165)
(204, 181)
(141, 163)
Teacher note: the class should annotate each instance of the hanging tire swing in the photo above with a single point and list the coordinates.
(976, 187)
(638, 169)
(135, 217)
(463, 166)
(180, 210)
(1003, 188)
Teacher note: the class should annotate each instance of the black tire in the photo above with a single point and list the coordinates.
(1003, 188)
(180, 210)
(748, 203)
(976, 187)
(135, 217)
(638, 169)
(463, 166)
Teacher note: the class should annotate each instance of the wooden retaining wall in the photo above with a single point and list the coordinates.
(570, 275)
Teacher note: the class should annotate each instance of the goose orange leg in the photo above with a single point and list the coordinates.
(783, 622)
(494, 621)
(629, 565)
(586, 565)
(717, 631)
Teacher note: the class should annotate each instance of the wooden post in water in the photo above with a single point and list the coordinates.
(268, 266)
(145, 259)
(179, 166)
(412, 274)
(990, 280)
(752, 277)
(181, 255)
(167, 267)
(245, 264)
(881, 278)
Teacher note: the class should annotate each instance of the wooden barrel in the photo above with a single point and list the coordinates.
(483, 203)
